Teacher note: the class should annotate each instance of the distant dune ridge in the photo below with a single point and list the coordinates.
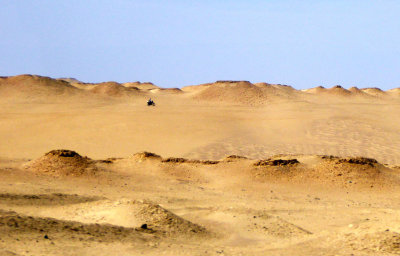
(33, 86)
(223, 91)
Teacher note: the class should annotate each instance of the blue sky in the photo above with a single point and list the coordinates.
(176, 43)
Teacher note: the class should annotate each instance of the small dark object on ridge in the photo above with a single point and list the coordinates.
(63, 153)
(276, 162)
(359, 160)
(144, 226)
(46, 237)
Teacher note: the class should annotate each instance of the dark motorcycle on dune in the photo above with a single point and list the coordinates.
(150, 102)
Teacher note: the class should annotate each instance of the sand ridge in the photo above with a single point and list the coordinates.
(328, 170)
(223, 91)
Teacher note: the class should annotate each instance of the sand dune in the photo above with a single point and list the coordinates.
(376, 92)
(114, 89)
(238, 168)
(32, 86)
(335, 90)
(241, 92)
(316, 90)
(63, 162)
(228, 92)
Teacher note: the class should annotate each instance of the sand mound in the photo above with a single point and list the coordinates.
(351, 171)
(136, 214)
(336, 90)
(328, 170)
(113, 89)
(374, 91)
(63, 162)
(357, 92)
(339, 91)
(35, 86)
(242, 92)
(157, 218)
(316, 90)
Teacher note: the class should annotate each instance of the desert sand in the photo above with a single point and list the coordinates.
(224, 168)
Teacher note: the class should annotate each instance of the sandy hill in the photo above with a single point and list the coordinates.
(334, 91)
(238, 92)
(278, 90)
(62, 163)
(339, 90)
(35, 86)
(316, 90)
(356, 91)
(374, 91)
(114, 89)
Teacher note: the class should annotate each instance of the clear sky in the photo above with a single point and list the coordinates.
(174, 43)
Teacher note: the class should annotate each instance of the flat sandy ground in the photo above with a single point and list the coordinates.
(69, 205)
(180, 128)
